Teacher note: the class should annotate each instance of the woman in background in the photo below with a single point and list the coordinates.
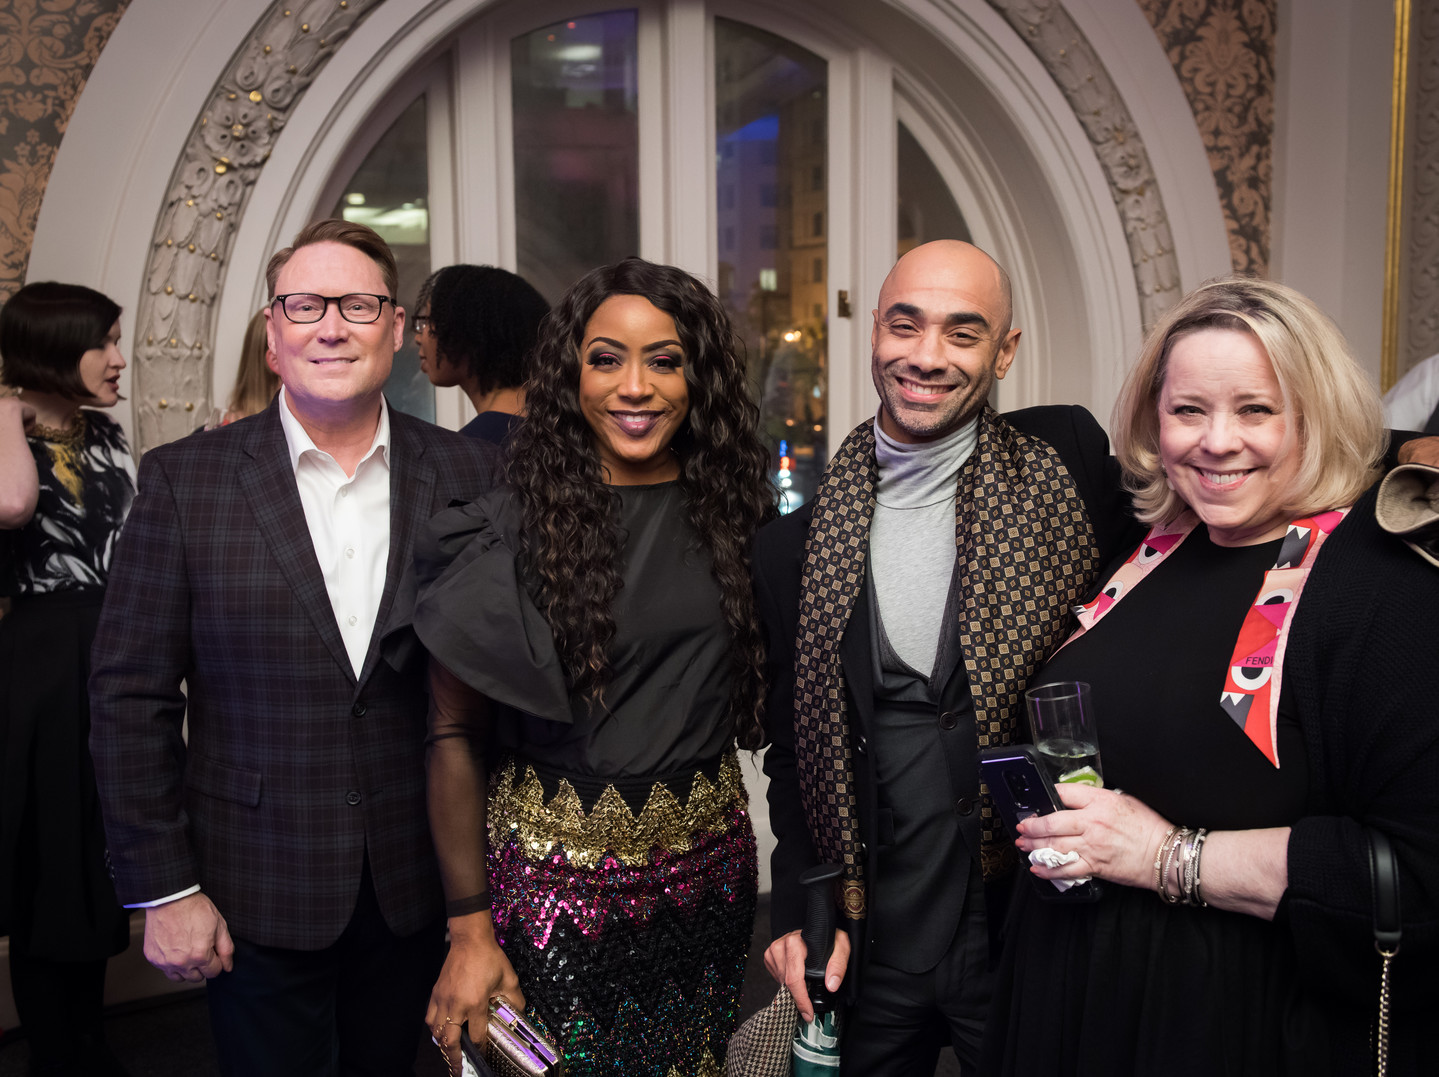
(66, 481)
(594, 658)
(255, 383)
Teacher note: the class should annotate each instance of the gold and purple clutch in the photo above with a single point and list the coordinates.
(513, 1048)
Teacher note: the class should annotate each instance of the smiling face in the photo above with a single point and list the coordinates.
(1224, 435)
(100, 371)
(632, 389)
(941, 339)
(332, 369)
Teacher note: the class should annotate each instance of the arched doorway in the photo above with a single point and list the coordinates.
(784, 156)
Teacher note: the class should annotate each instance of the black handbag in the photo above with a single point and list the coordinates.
(1388, 927)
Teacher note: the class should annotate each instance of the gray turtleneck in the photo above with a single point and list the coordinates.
(911, 538)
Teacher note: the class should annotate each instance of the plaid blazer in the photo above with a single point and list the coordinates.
(294, 768)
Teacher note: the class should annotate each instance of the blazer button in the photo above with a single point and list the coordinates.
(861, 744)
(358, 710)
(965, 806)
(352, 797)
(948, 720)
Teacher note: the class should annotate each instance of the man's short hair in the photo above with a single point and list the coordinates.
(486, 321)
(334, 230)
(44, 330)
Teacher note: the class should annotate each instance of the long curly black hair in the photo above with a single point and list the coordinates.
(570, 515)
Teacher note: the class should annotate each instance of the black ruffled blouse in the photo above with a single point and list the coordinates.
(666, 708)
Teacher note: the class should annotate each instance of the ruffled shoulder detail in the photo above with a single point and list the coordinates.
(473, 613)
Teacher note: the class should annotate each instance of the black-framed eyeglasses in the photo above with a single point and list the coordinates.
(361, 308)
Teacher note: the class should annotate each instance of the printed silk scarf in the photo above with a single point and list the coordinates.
(1251, 686)
(1027, 551)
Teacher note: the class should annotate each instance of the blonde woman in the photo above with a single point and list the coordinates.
(255, 383)
(1264, 670)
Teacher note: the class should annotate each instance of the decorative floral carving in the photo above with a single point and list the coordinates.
(1420, 293)
(228, 146)
(1223, 53)
(46, 52)
(1067, 55)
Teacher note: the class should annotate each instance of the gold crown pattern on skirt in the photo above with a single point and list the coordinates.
(610, 829)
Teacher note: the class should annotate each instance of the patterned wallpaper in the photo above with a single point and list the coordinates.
(1419, 281)
(1223, 53)
(47, 48)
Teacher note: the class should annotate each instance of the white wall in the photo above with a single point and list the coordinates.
(1331, 164)
(110, 173)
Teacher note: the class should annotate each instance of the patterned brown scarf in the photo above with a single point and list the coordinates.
(1028, 553)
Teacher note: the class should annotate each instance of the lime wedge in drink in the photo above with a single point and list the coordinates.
(1083, 776)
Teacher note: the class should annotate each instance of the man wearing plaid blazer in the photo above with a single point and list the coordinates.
(282, 851)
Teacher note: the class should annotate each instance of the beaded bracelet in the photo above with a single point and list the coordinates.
(1194, 894)
(1159, 887)
(1180, 852)
(1186, 868)
(1171, 857)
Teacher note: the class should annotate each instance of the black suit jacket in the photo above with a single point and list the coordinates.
(778, 566)
(295, 769)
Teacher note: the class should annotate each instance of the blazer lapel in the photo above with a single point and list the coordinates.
(412, 484)
(856, 655)
(268, 484)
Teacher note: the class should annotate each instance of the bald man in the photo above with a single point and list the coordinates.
(929, 577)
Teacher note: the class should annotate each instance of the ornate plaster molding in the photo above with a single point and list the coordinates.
(1054, 38)
(206, 197)
(46, 53)
(1223, 54)
(1421, 255)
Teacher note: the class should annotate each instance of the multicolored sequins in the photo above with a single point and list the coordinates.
(628, 932)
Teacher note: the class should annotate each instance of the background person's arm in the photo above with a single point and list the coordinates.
(19, 481)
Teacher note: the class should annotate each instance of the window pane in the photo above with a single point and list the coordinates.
(926, 208)
(576, 148)
(771, 104)
(389, 192)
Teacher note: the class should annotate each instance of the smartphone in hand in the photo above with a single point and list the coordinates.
(1020, 788)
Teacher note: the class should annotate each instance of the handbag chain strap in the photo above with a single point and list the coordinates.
(1388, 926)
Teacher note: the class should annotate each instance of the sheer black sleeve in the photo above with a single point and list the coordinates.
(455, 786)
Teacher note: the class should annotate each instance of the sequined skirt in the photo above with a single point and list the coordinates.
(628, 929)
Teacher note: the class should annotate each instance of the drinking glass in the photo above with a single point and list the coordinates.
(1061, 722)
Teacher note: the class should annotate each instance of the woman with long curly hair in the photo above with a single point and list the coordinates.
(594, 659)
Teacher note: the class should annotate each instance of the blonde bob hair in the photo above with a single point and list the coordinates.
(1336, 425)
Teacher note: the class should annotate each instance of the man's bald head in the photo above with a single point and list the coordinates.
(960, 265)
(941, 338)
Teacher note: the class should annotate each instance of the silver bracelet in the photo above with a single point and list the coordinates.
(1199, 840)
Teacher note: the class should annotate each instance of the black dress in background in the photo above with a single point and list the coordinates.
(1130, 985)
(57, 902)
(56, 898)
(621, 856)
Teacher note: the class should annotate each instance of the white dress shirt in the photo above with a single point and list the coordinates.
(349, 521)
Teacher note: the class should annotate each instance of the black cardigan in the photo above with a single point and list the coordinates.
(1363, 664)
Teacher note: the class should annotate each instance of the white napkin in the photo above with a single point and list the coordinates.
(1053, 858)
